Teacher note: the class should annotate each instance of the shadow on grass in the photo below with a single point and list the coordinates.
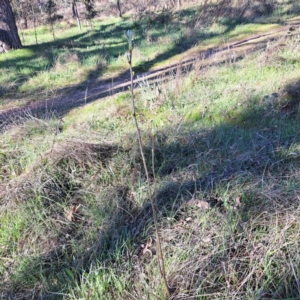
(253, 154)
(95, 90)
(90, 44)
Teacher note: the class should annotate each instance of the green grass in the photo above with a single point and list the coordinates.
(75, 216)
(77, 59)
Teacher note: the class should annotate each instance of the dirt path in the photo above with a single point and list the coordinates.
(64, 103)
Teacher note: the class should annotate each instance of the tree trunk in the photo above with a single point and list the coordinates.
(75, 13)
(119, 8)
(178, 4)
(9, 37)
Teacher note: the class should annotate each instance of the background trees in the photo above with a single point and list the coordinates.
(32, 13)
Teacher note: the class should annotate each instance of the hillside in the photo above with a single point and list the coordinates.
(219, 100)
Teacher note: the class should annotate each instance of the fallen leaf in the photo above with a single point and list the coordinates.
(76, 208)
(206, 240)
(202, 204)
(69, 215)
(72, 210)
(146, 247)
(238, 201)
(293, 154)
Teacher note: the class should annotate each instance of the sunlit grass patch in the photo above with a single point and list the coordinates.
(99, 54)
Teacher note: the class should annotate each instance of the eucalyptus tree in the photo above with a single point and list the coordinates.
(9, 37)
(119, 8)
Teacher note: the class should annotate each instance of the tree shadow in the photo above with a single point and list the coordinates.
(256, 143)
(93, 89)
(41, 57)
(84, 45)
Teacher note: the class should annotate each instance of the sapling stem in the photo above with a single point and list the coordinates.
(160, 257)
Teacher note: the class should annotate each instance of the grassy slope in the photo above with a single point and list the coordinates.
(74, 212)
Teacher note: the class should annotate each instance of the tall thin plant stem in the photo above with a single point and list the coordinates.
(154, 208)
(160, 257)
